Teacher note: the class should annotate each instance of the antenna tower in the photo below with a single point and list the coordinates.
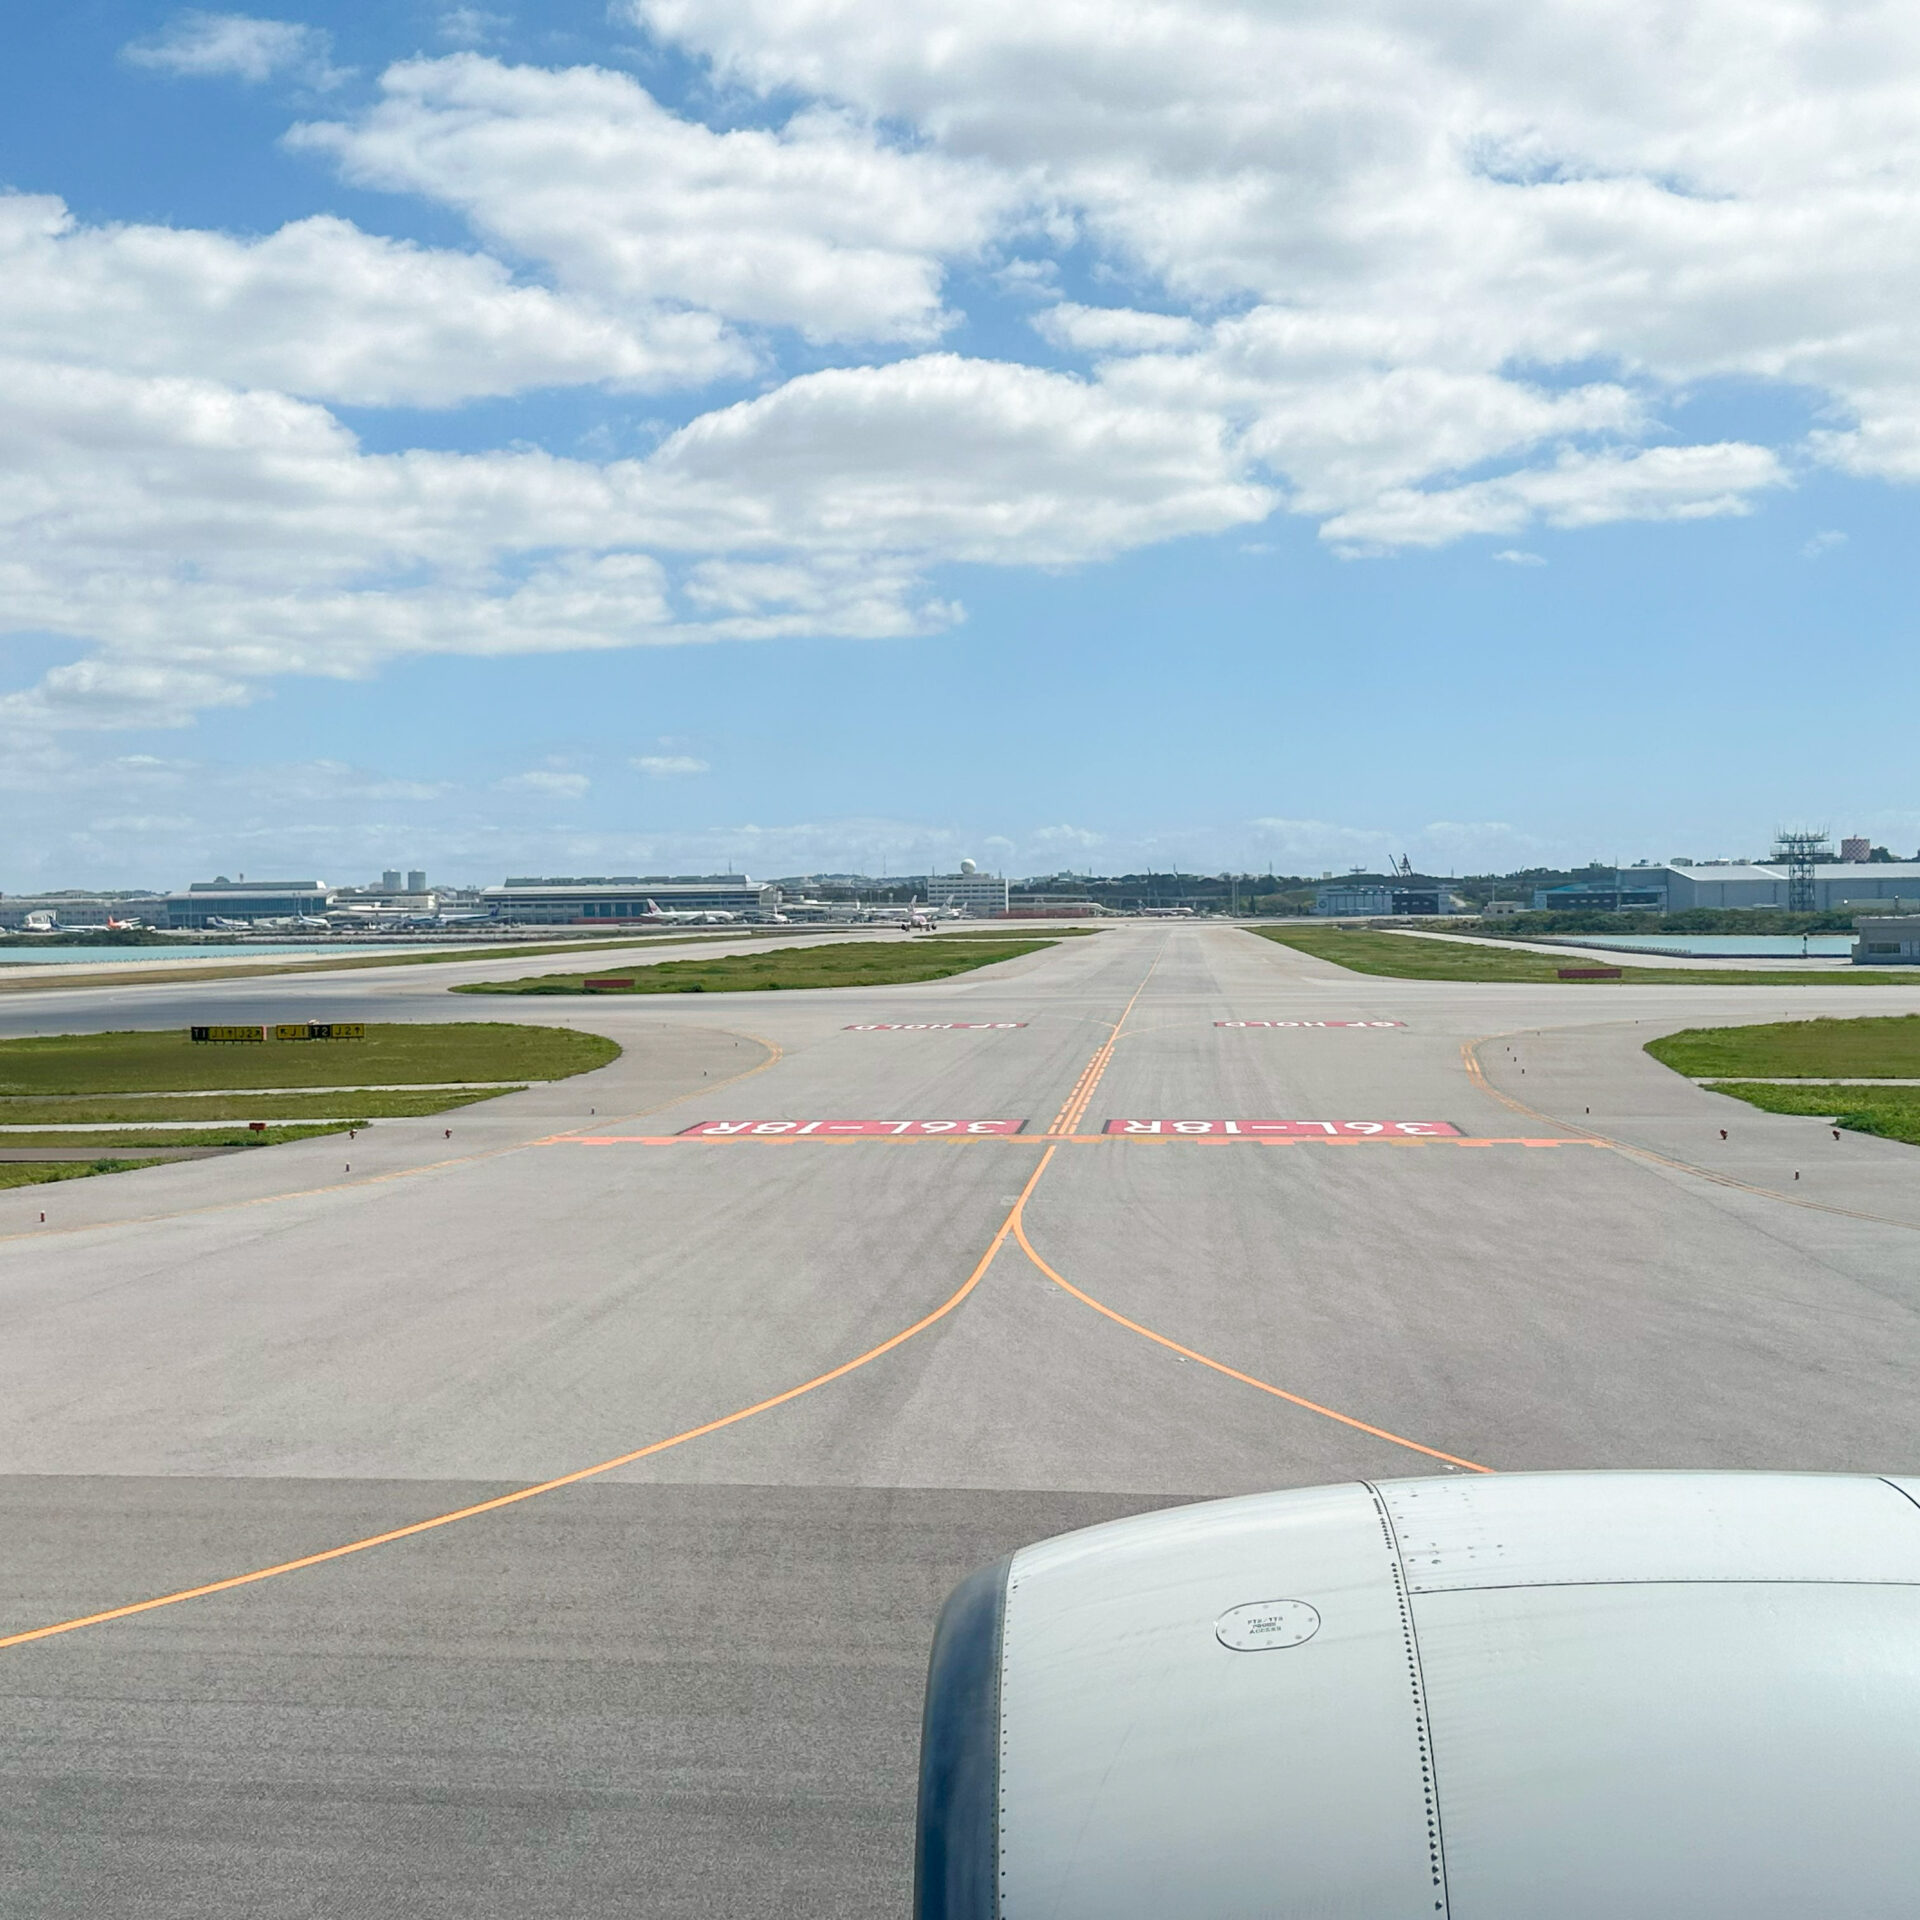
(1800, 850)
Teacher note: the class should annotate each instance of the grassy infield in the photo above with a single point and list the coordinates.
(143, 1078)
(1810, 1050)
(853, 963)
(146, 1077)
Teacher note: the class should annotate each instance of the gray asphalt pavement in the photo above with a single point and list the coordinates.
(690, 1685)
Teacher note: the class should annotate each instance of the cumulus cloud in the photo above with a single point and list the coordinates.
(322, 309)
(1578, 490)
(822, 226)
(1731, 191)
(668, 766)
(236, 46)
(1519, 557)
(1417, 275)
(211, 538)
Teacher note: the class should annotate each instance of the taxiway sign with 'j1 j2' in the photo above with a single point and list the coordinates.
(1290, 1129)
(821, 1129)
(1309, 1023)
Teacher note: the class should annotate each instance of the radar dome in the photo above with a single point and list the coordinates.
(967, 866)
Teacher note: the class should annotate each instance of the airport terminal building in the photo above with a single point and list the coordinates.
(206, 901)
(981, 896)
(591, 900)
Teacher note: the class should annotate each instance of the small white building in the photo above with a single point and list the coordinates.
(1887, 940)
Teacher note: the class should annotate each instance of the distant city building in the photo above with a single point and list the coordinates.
(1854, 847)
(390, 880)
(74, 909)
(1887, 940)
(592, 900)
(1607, 896)
(1427, 900)
(206, 901)
(982, 896)
(416, 879)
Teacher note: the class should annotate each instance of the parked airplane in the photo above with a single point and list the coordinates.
(40, 923)
(658, 915)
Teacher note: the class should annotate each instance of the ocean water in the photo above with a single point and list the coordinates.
(1727, 946)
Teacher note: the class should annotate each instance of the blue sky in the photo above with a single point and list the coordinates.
(698, 432)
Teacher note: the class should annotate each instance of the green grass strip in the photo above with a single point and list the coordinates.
(139, 1109)
(1408, 957)
(260, 969)
(106, 1143)
(29, 1173)
(859, 963)
(167, 1061)
(1880, 1046)
(1891, 1112)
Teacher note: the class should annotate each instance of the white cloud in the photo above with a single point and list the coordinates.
(546, 785)
(967, 459)
(1730, 190)
(471, 26)
(1519, 557)
(822, 226)
(1440, 846)
(1416, 274)
(211, 539)
(322, 309)
(236, 45)
(1823, 543)
(1115, 329)
(1579, 490)
(668, 766)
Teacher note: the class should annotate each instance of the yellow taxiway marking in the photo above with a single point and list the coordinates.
(1007, 1226)
(1234, 1373)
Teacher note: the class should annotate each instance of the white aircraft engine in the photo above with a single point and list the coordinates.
(1628, 1696)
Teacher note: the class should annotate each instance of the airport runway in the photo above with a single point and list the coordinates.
(836, 1372)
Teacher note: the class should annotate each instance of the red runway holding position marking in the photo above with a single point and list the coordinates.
(1293, 1129)
(935, 1026)
(898, 1129)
